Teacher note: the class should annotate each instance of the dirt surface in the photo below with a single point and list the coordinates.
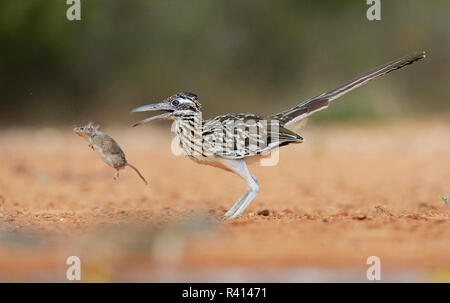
(346, 193)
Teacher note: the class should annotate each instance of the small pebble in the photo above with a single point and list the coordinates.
(360, 217)
(264, 212)
(380, 209)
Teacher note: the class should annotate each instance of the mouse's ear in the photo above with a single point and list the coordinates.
(91, 126)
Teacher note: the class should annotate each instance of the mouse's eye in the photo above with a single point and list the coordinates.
(175, 102)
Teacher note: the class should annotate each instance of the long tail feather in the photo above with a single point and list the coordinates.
(322, 101)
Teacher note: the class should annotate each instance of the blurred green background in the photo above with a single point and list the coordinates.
(238, 56)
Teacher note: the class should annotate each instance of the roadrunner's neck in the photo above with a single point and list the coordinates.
(188, 129)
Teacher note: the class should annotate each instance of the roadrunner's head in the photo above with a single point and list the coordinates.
(177, 106)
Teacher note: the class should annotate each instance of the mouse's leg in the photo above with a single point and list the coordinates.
(116, 175)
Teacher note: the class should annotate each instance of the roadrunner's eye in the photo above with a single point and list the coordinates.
(175, 102)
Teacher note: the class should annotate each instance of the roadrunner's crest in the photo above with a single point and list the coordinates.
(229, 141)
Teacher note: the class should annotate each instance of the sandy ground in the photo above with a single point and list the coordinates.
(346, 193)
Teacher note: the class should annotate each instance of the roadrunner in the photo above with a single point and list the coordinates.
(231, 141)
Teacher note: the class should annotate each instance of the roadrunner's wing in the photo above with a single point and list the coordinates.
(235, 136)
(292, 118)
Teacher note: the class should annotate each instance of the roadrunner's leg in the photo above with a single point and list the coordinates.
(236, 205)
(252, 194)
(240, 168)
(239, 202)
(116, 175)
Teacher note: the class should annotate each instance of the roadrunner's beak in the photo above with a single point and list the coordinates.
(162, 106)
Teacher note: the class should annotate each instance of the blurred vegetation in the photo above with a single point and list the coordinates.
(239, 56)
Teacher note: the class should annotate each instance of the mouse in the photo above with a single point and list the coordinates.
(106, 147)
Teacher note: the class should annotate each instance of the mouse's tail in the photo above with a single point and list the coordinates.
(137, 171)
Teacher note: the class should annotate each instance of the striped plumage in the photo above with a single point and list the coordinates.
(231, 136)
(229, 140)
